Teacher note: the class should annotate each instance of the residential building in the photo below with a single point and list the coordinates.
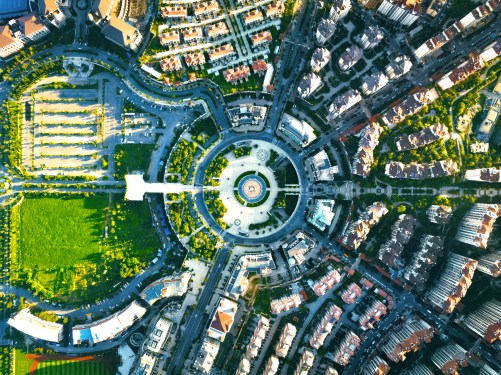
(349, 57)
(252, 17)
(490, 264)
(174, 12)
(121, 33)
(285, 303)
(453, 283)
(339, 9)
(8, 44)
(299, 131)
(418, 272)
(372, 315)
(171, 37)
(271, 366)
(322, 214)
(492, 51)
(374, 83)
(274, 10)
(331, 371)
(492, 109)
(101, 10)
(358, 230)
(32, 28)
(107, 328)
(321, 167)
(285, 341)
(170, 286)
(236, 74)
(192, 34)
(171, 64)
(485, 321)
(477, 147)
(194, 59)
(461, 72)
(296, 248)
(364, 157)
(372, 36)
(376, 366)
(244, 367)
(261, 38)
(439, 214)
(326, 282)
(259, 263)
(416, 171)
(308, 85)
(259, 67)
(422, 138)
(256, 342)
(405, 12)
(410, 106)
(324, 327)
(319, 59)
(450, 358)
(36, 327)
(305, 363)
(217, 29)
(147, 363)
(159, 335)
(206, 8)
(223, 319)
(220, 52)
(325, 30)
(206, 356)
(483, 174)
(432, 45)
(351, 293)
(477, 225)
(342, 103)
(407, 337)
(398, 67)
(247, 114)
(51, 12)
(347, 348)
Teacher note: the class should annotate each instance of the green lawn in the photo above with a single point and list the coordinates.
(63, 367)
(64, 252)
(61, 231)
(131, 157)
(21, 363)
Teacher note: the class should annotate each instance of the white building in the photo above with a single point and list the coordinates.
(322, 214)
(35, 327)
(320, 58)
(8, 44)
(285, 341)
(206, 356)
(372, 36)
(298, 131)
(271, 366)
(51, 12)
(325, 30)
(308, 85)
(339, 9)
(305, 363)
(349, 57)
(321, 167)
(223, 319)
(398, 67)
(405, 12)
(343, 103)
(477, 225)
(374, 83)
(324, 327)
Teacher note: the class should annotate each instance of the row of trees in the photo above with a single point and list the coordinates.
(182, 158)
(181, 217)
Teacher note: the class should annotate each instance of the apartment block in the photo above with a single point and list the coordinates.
(347, 348)
(342, 103)
(461, 72)
(450, 358)
(364, 157)
(8, 43)
(349, 57)
(374, 83)
(418, 272)
(285, 341)
(271, 366)
(401, 234)
(206, 356)
(407, 338)
(477, 225)
(325, 283)
(398, 67)
(485, 321)
(423, 171)
(339, 9)
(305, 363)
(490, 264)
(377, 366)
(439, 214)
(358, 230)
(321, 167)
(409, 106)
(372, 36)
(405, 12)
(259, 335)
(453, 283)
(308, 85)
(422, 138)
(324, 327)
(325, 30)
(285, 303)
(319, 59)
(372, 315)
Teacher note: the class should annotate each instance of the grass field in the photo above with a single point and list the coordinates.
(48, 366)
(63, 252)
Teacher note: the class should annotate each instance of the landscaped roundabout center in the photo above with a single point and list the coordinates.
(252, 188)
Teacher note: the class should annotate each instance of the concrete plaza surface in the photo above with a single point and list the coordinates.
(239, 217)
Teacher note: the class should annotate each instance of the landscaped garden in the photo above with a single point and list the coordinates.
(131, 157)
(75, 248)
